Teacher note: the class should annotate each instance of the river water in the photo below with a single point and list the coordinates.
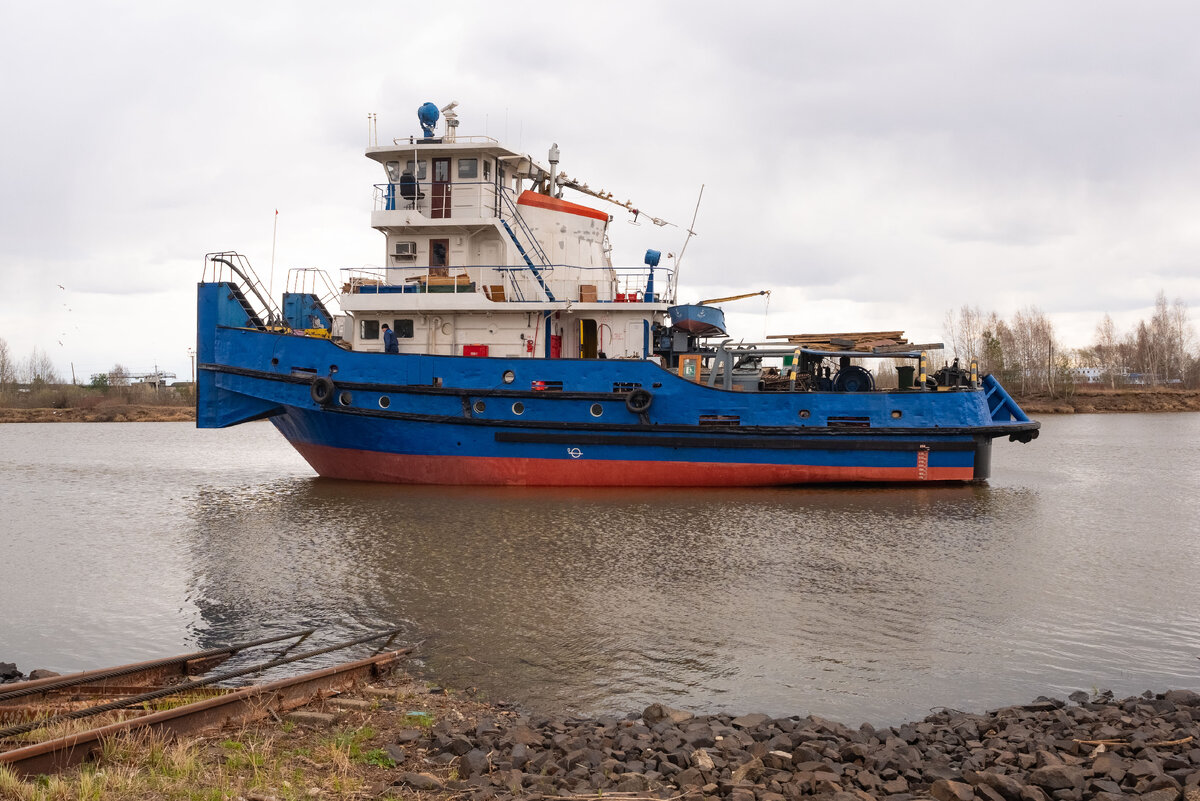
(1075, 567)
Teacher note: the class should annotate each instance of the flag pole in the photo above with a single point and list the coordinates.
(274, 230)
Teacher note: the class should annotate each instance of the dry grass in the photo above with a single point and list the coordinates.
(260, 761)
(103, 413)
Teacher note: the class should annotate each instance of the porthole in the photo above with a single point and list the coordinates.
(597, 410)
(518, 408)
(345, 398)
(804, 414)
(333, 368)
(384, 401)
(479, 407)
(274, 362)
(509, 376)
(897, 414)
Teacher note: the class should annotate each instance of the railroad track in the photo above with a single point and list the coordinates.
(177, 695)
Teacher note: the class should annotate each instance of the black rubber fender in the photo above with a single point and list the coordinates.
(322, 390)
(639, 401)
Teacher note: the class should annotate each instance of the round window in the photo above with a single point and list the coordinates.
(509, 376)
(345, 398)
(479, 407)
(384, 402)
(804, 414)
(597, 410)
(518, 408)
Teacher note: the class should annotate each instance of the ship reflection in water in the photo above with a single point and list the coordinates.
(1073, 570)
(859, 604)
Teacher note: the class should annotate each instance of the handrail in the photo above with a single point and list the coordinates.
(298, 280)
(270, 314)
(614, 285)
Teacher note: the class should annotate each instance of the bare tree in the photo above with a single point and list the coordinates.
(39, 370)
(965, 332)
(1183, 335)
(118, 376)
(1106, 350)
(1033, 349)
(8, 370)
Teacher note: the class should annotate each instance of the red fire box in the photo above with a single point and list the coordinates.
(475, 350)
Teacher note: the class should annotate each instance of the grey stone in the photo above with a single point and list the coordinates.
(420, 781)
(656, 713)
(395, 753)
(947, 790)
(409, 735)
(632, 783)
(1165, 794)
(750, 721)
(1056, 777)
(42, 673)
(474, 762)
(750, 771)
(522, 735)
(1183, 697)
(1007, 786)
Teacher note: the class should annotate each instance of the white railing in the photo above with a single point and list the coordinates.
(441, 201)
(512, 283)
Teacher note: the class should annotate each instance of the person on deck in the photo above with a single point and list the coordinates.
(390, 344)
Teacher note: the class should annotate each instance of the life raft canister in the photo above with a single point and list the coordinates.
(322, 390)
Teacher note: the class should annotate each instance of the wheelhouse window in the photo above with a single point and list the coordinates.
(421, 170)
(468, 168)
(368, 329)
(403, 329)
(487, 169)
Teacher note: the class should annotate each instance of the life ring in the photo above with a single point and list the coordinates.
(322, 390)
(638, 401)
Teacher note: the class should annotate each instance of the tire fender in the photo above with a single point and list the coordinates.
(638, 401)
(322, 390)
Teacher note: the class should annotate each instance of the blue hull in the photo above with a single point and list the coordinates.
(564, 422)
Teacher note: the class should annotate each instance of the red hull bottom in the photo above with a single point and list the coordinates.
(394, 468)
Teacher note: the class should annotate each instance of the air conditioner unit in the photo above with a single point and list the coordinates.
(406, 249)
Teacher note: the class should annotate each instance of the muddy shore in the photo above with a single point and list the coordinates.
(403, 738)
(1093, 747)
(117, 413)
(1093, 400)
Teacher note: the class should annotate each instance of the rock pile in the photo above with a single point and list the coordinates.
(1097, 748)
(9, 673)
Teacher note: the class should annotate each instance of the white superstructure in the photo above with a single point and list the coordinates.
(482, 258)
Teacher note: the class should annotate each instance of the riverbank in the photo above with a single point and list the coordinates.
(405, 739)
(1102, 400)
(116, 413)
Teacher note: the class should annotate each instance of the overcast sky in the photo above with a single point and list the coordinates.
(873, 164)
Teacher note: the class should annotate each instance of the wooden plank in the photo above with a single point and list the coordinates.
(907, 347)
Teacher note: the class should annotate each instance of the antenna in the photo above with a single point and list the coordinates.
(691, 232)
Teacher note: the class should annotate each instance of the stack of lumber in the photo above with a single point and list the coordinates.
(860, 341)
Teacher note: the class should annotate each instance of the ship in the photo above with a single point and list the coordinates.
(499, 345)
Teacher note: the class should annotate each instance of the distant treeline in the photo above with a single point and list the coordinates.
(1023, 353)
(34, 383)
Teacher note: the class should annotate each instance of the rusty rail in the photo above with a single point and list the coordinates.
(150, 673)
(250, 703)
(125, 703)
